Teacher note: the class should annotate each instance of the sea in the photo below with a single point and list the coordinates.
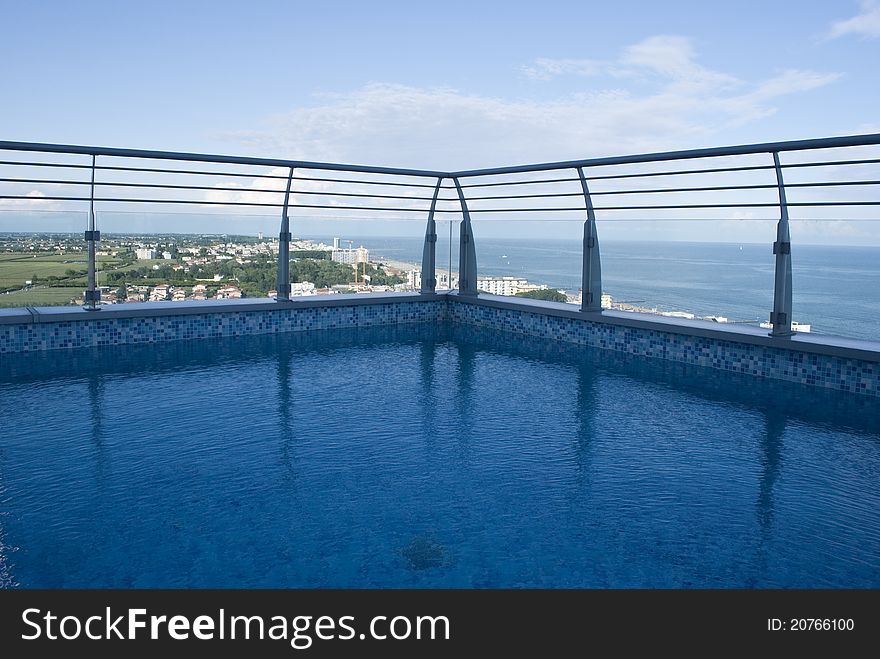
(835, 289)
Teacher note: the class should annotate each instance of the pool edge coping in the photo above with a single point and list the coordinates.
(831, 346)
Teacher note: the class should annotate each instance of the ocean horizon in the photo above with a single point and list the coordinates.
(833, 287)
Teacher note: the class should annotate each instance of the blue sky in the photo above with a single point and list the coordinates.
(449, 85)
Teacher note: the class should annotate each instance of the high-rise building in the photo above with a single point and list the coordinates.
(350, 256)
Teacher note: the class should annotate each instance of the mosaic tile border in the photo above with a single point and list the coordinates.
(28, 337)
(843, 374)
(832, 372)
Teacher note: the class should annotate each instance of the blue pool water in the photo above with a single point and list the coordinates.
(426, 456)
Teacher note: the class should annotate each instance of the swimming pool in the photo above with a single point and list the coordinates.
(426, 456)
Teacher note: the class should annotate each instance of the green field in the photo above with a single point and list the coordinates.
(17, 267)
(40, 297)
(108, 264)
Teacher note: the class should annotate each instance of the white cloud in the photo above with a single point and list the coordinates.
(672, 57)
(790, 81)
(757, 102)
(667, 56)
(544, 68)
(269, 189)
(865, 24)
(447, 129)
(34, 201)
(677, 103)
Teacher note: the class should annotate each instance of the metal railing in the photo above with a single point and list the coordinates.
(736, 179)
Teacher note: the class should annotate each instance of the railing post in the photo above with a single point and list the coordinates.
(429, 253)
(781, 316)
(467, 254)
(92, 295)
(591, 276)
(282, 287)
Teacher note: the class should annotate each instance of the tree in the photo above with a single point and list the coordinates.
(379, 277)
(548, 294)
(321, 273)
(317, 254)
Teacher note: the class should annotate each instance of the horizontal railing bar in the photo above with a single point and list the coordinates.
(707, 170)
(155, 170)
(139, 201)
(612, 220)
(343, 180)
(490, 185)
(748, 149)
(422, 210)
(172, 186)
(152, 170)
(358, 194)
(869, 139)
(45, 164)
(690, 154)
(607, 177)
(626, 192)
(757, 186)
(203, 157)
(672, 206)
(210, 203)
(159, 170)
(714, 188)
(488, 219)
(521, 196)
(827, 163)
(825, 184)
(46, 180)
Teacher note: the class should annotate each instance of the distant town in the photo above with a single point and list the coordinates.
(45, 269)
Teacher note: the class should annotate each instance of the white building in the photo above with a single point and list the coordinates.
(146, 253)
(302, 288)
(200, 292)
(160, 293)
(350, 256)
(414, 280)
(507, 285)
(229, 292)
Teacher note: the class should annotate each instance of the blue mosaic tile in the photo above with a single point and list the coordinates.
(852, 375)
(122, 331)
